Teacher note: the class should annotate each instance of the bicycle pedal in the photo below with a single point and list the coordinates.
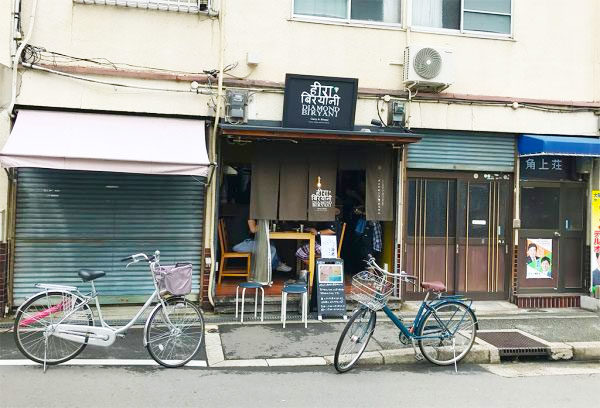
(419, 357)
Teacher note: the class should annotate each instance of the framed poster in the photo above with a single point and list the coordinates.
(318, 102)
(539, 258)
(331, 297)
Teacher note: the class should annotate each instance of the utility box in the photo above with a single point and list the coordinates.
(236, 106)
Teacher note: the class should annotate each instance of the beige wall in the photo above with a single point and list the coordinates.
(551, 57)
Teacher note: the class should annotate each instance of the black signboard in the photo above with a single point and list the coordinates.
(317, 102)
(331, 299)
(546, 167)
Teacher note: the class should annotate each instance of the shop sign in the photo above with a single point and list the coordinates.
(546, 167)
(315, 102)
(539, 258)
(331, 298)
(595, 239)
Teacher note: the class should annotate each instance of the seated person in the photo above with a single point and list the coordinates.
(248, 244)
(322, 228)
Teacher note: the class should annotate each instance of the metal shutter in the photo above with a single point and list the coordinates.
(70, 220)
(474, 152)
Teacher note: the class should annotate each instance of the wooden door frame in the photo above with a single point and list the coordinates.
(562, 185)
(509, 236)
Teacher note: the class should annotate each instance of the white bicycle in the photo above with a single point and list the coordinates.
(56, 324)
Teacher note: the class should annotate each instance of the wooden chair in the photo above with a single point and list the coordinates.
(339, 249)
(227, 254)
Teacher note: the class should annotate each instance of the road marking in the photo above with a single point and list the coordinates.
(540, 369)
(100, 362)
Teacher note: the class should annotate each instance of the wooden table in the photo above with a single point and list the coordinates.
(300, 236)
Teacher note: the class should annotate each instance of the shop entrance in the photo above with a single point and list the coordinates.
(552, 236)
(292, 185)
(457, 227)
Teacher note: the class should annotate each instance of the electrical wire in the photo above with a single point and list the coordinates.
(96, 81)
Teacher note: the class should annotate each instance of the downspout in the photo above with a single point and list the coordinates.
(17, 58)
(213, 157)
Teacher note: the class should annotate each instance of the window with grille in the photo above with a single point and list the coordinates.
(184, 6)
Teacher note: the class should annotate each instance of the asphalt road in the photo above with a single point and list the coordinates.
(397, 386)
(128, 347)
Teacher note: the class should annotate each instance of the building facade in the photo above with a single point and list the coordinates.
(466, 205)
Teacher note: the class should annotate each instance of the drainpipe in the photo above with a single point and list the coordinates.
(212, 193)
(17, 58)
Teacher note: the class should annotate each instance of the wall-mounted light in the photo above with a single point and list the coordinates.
(318, 181)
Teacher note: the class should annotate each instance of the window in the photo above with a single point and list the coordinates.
(184, 6)
(490, 16)
(381, 11)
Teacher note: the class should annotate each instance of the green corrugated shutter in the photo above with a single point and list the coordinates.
(70, 220)
(474, 152)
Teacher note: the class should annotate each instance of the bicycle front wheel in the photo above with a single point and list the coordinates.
(448, 332)
(33, 332)
(175, 332)
(354, 339)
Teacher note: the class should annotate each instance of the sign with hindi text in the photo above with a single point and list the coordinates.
(316, 102)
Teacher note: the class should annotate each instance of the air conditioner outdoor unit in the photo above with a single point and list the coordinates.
(428, 68)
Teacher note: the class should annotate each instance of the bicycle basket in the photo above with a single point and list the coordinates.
(371, 289)
(175, 279)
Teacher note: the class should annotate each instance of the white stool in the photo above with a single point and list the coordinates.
(250, 285)
(294, 288)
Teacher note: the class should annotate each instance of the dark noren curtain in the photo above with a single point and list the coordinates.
(293, 183)
(379, 185)
(265, 184)
(321, 200)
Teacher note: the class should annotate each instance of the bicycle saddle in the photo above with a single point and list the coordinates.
(436, 286)
(89, 275)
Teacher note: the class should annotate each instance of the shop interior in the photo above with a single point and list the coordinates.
(356, 235)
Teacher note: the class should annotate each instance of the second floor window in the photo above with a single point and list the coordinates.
(491, 16)
(380, 11)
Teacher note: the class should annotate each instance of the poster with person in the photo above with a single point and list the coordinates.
(539, 258)
(595, 239)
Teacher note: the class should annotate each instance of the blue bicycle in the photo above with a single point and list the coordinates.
(445, 327)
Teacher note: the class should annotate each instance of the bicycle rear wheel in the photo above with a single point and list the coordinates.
(354, 339)
(37, 314)
(449, 331)
(174, 333)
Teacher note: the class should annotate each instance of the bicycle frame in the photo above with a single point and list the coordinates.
(103, 337)
(425, 308)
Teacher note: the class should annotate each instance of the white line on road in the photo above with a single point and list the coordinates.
(101, 362)
(541, 369)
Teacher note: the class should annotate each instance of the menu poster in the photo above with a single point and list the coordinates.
(331, 299)
(328, 246)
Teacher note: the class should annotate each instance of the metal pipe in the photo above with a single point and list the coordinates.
(467, 246)
(17, 58)
(212, 193)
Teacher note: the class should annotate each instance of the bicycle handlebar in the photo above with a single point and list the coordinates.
(402, 275)
(135, 258)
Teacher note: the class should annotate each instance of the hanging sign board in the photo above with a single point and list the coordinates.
(317, 102)
(331, 299)
(546, 167)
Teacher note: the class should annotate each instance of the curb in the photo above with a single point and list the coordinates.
(481, 353)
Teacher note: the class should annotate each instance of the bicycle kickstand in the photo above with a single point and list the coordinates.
(45, 351)
(454, 351)
(418, 355)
